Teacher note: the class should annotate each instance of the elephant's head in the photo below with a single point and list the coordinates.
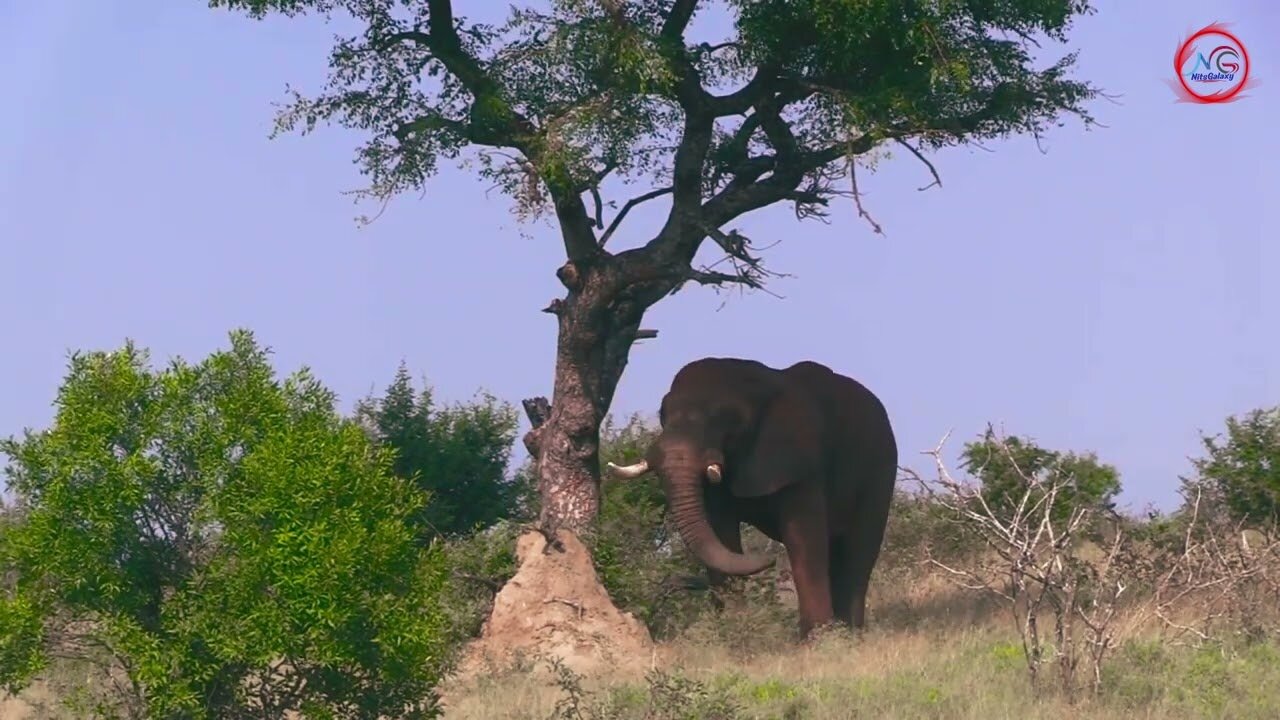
(732, 423)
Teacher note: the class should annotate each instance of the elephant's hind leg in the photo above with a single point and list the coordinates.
(861, 548)
(842, 578)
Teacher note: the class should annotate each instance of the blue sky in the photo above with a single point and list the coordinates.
(1115, 294)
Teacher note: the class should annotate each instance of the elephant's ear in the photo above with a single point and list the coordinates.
(785, 449)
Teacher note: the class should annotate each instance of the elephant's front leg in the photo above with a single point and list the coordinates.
(804, 533)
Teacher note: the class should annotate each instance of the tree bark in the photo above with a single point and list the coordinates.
(597, 325)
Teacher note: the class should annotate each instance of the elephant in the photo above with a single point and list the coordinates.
(804, 454)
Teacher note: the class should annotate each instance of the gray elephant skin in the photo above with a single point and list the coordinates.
(804, 454)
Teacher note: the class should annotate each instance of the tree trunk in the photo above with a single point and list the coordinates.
(555, 603)
(596, 331)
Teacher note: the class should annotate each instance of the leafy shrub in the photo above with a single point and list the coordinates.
(457, 454)
(919, 528)
(480, 564)
(1241, 472)
(222, 539)
(1004, 466)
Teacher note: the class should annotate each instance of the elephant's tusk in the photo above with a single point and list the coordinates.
(629, 471)
(714, 473)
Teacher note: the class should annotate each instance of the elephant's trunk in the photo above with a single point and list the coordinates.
(684, 496)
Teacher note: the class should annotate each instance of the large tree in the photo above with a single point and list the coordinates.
(565, 103)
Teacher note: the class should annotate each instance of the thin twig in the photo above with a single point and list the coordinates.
(857, 198)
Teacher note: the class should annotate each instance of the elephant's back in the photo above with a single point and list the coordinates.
(847, 398)
(858, 423)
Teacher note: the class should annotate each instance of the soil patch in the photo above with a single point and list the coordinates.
(556, 607)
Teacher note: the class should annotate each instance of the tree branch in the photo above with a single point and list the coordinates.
(447, 46)
(599, 216)
(678, 19)
(493, 121)
(617, 220)
(498, 125)
(715, 278)
(777, 130)
(690, 158)
(538, 409)
(699, 125)
(764, 81)
(577, 228)
(739, 198)
(857, 197)
(937, 180)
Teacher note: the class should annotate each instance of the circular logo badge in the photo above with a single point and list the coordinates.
(1212, 65)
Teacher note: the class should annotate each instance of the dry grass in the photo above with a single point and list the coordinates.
(931, 651)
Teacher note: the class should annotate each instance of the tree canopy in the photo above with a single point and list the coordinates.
(584, 90)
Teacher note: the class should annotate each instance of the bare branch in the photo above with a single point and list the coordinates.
(599, 203)
(857, 197)
(709, 277)
(617, 220)
(937, 180)
(1064, 607)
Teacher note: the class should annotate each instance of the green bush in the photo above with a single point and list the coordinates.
(225, 540)
(920, 528)
(1006, 466)
(1241, 472)
(480, 564)
(457, 454)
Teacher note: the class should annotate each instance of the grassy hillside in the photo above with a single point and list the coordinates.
(930, 652)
